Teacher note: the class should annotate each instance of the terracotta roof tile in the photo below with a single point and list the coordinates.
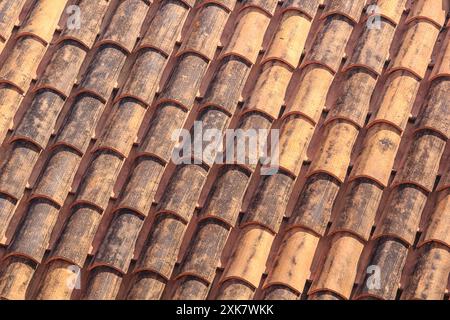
(378, 155)
(429, 277)
(289, 40)
(270, 88)
(289, 271)
(33, 238)
(19, 271)
(10, 11)
(389, 257)
(431, 273)
(201, 40)
(335, 152)
(351, 10)
(340, 266)
(87, 120)
(431, 11)
(443, 64)
(437, 229)
(256, 243)
(412, 49)
(43, 20)
(329, 48)
(58, 274)
(391, 10)
(125, 23)
(91, 20)
(422, 162)
(10, 97)
(365, 54)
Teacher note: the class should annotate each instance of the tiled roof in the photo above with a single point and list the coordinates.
(359, 207)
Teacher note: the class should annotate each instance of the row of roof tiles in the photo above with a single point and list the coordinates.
(219, 215)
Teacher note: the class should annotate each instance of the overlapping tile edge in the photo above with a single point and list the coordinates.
(164, 268)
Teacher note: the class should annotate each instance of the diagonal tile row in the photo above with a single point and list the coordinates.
(308, 222)
(262, 220)
(222, 206)
(71, 142)
(31, 42)
(372, 169)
